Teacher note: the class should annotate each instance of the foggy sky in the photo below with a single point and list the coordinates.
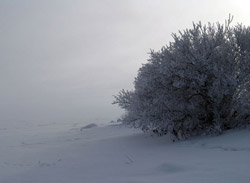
(63, 60)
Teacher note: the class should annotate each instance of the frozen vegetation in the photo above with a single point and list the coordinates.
(199, 84)
(63, 153)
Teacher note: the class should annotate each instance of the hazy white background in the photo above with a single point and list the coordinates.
(62, 60)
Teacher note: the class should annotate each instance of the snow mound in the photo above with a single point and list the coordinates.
(91, 125)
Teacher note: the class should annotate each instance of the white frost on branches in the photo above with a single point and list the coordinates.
(198, 84)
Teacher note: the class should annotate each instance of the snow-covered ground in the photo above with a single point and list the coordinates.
(68, 153)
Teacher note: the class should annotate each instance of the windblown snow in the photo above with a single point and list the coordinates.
(72, 153)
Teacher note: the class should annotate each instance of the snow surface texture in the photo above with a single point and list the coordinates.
(62, 153)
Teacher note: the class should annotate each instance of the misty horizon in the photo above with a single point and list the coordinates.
(64, 60)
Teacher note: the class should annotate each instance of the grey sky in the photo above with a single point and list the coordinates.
(63, 60)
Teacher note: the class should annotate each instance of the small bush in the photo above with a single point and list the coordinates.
(198, 84)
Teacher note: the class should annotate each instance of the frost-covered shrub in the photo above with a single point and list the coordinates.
(198, 84)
